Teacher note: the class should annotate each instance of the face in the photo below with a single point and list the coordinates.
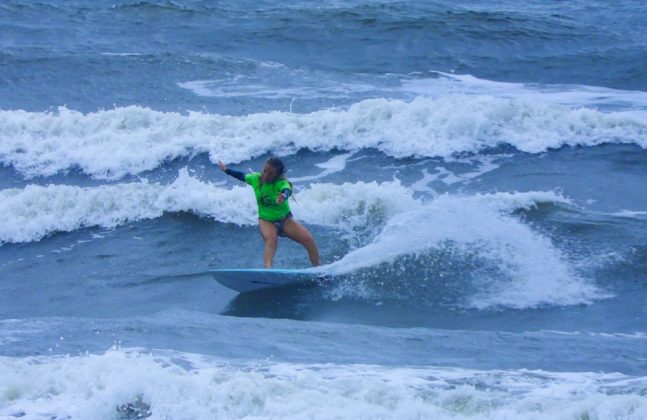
(270, 174)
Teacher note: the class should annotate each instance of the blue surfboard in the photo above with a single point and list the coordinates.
(247, 280)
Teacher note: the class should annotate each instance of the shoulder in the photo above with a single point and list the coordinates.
(283, 183)
(252, 178)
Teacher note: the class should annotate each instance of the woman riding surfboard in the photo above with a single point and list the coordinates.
(275, 219)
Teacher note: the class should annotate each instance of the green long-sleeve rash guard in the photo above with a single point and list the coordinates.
(266, 194)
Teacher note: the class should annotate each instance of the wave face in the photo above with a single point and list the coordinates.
(383, 223)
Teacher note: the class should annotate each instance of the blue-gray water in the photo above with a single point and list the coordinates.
(474, 173)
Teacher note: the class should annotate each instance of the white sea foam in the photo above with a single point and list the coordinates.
(334, 164)
(288, 83)
(568, 95)
(187, 386)
(113, 143)
(635, 335)
(271, 80)
(485, 164)
(532, 271)
(36, 211)
(632, 214)
(122, 54)
(266, 88)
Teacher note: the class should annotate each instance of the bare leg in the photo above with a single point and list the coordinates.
(297, 232)
(270, 236)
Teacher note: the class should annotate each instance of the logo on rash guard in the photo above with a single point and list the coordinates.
(266, 201)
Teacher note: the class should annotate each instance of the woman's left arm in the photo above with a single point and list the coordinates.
(285, 193)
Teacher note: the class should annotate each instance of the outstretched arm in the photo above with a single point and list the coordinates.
(236, 174)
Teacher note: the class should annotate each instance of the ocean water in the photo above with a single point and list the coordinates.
(474, 173)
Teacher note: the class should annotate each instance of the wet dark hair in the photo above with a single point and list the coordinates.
(277, 164)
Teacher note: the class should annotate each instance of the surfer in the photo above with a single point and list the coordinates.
(275, 219)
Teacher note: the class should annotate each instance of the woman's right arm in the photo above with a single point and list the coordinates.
(236, 174)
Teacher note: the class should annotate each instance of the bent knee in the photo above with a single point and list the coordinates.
(271, 239)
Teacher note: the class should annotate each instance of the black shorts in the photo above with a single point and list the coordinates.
(279, 223)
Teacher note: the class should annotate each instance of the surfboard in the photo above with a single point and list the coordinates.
(247, 280)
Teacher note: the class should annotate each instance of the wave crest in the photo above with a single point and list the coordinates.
(131, 140)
